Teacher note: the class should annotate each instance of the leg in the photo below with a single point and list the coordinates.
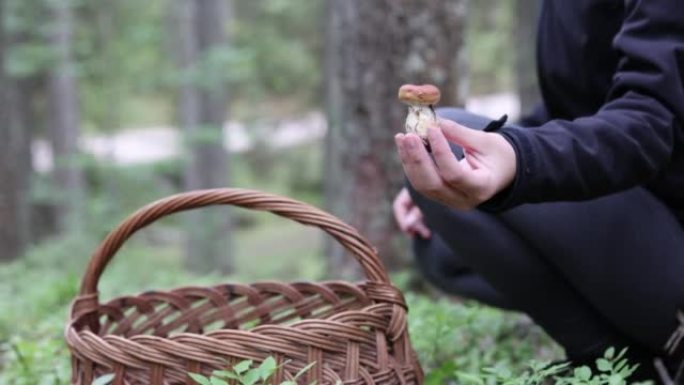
(449, 273)
(624, 253)
(523, 278)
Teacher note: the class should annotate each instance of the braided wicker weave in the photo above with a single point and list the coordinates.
(356, 333)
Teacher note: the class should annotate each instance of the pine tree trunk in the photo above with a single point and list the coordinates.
(373, 47)
(526, 14)
(63, 122)
(202, 113)
(14, 173)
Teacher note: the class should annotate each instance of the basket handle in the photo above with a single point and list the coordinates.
(301, 212)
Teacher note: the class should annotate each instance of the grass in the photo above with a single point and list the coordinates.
(453, 339)
(36, 291)
(281, 249)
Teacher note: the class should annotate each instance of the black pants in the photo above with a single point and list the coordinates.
(593, 274)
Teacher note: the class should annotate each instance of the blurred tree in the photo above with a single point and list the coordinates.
(29, 58)
(490, 51)
(26, 57)
(526, 14)
(373, 47)
(202, 105)
(122, 63)
(280, 40)
(14, 203)
(63, 124)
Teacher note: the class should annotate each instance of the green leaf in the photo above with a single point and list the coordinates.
(621, 364)
(621, 354)
(226, 374)
(616, 380)
(200, 379)
(628, 370)
(555, 369)
(267, 368)
(288, 383)
(470, 378)
(304, 370)
(242, 366)
(104, 379)
(583, 373)
(217, 381)
(251, 377)
(504, 373)
(604, 365)
(610, 353)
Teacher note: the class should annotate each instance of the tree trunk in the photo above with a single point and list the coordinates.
(373, 47)
(526, 14)
(14, 173)
(202, 111)
(63, 124)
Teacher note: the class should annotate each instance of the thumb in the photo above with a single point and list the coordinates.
(463, 136)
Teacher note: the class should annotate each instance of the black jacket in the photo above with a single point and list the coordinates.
(612, 79)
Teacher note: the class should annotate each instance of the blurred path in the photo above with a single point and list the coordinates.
(152, 144)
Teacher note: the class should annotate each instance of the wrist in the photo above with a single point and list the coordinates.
(506, 162)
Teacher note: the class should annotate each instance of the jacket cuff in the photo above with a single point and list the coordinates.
(517, 192)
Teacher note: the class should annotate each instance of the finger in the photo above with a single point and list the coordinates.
(465, 137)
(417, 224)
(400, 219)
(449, 168)
(409, 220)
(418, 166)
(401, 203)
(422, 230)
(405, 198)
(402, 207)
(403, 224)
(412, 217)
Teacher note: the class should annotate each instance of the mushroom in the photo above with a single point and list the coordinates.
(421, 113)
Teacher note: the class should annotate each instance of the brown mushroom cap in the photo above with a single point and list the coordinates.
(425, 94)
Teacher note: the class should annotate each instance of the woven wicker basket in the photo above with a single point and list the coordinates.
(356, 333)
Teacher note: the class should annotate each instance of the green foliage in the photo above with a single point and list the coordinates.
(610, 369)
(29, 53)
(452, 339)
(245, 374)
(124, 57)
(284, 39)
(35, 361)
(121, 61)
(451, 336)
(490, 52)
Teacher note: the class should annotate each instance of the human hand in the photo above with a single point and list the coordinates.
(408, 216)
(489, 164)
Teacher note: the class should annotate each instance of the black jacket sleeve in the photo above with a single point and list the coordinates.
(630, 140)
(536, 117)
